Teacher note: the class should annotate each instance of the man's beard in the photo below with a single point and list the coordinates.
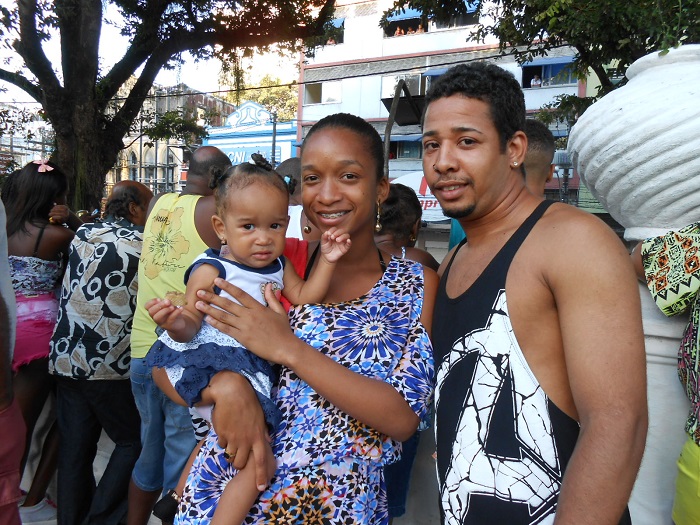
(460, 213)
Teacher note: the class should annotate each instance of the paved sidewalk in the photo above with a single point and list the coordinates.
(422, 504)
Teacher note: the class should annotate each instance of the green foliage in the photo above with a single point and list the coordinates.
(563, 113)
(173, 125)
(271, 93)
(330, 34)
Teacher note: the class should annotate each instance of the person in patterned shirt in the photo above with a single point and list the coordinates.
(89, 355)
(356, 374)
(670, 267)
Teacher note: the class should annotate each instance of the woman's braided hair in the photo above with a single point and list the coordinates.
(400, 212)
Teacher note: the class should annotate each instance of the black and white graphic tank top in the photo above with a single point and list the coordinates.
(502, 445)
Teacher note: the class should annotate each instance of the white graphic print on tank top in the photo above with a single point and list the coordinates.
(502, 375)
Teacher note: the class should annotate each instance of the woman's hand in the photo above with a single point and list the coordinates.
(262, 330)
(239, 422)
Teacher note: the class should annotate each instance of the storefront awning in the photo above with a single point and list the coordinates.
(413, 137)
(405, 15)
(547, 61)
(435, 72)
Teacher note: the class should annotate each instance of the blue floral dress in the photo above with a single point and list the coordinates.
(329, 465)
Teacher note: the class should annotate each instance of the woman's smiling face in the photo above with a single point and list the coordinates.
(339, 181)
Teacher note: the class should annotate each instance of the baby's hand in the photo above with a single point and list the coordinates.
(165, 314)
(334, 244)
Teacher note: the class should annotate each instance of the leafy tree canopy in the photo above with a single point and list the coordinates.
(607, 36)
(270, 92)
(82, 100)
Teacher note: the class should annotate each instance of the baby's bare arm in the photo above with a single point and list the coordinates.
(334, 244)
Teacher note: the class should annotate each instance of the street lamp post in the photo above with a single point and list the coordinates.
(562, 161)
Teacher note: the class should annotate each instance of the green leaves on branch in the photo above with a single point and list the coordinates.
(564, 111)
(270, 92)
(179, 125)
(176, 125)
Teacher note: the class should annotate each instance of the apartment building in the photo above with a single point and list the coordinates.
(359, 67)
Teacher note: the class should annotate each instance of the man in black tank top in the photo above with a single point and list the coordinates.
(541, 397)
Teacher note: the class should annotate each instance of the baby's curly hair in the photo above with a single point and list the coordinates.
(242, 175)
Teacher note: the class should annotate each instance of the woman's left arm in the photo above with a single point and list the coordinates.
(372, 401)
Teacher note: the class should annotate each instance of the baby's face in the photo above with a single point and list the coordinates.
(255, 224)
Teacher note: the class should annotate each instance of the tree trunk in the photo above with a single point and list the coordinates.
(85, 156)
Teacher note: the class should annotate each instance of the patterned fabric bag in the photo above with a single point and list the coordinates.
(672, 268)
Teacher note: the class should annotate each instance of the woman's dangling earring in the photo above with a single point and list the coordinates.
(307, 228)
(412, 238)
(378, 225)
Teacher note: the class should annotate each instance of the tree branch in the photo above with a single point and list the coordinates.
(597, 67)
(29, 48)
(144, 43)
(23, 83)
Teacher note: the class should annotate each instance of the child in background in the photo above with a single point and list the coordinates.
(251, 221)
(401, 218)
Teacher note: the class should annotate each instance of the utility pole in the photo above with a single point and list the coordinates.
(274, 138)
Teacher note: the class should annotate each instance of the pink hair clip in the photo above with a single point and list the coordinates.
(43, 166)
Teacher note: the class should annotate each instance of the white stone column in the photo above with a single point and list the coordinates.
(652, 497)
(638, 151)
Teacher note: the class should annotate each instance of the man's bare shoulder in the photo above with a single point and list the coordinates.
(207, 202)
(566, 232)
(571, 242)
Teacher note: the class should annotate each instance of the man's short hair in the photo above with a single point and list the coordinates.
(489, 83)
(118, 202)
(208, 162)
(539, 137)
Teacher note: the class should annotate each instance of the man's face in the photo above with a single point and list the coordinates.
(462, 158)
